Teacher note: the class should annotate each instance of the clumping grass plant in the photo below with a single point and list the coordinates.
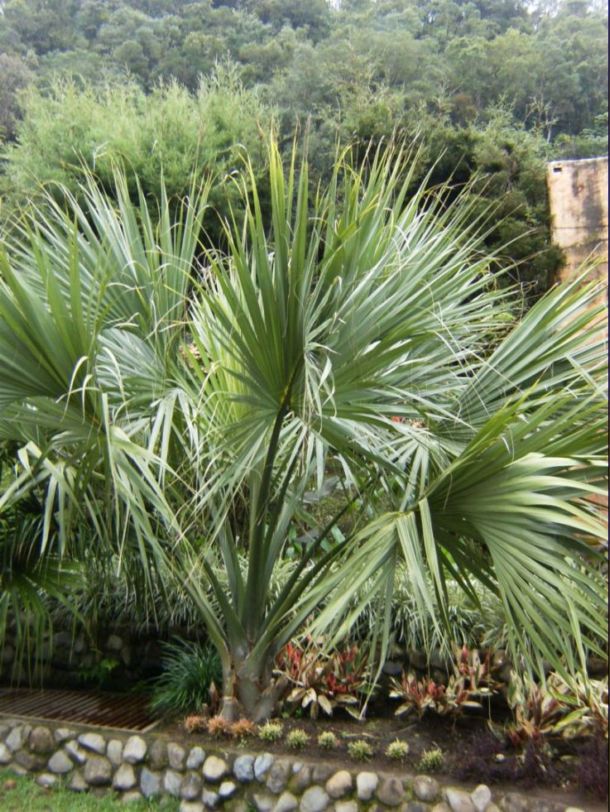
(397, 750)
(360, 750)
(297, 739)
(271, 731)
(327, 740)
(218, 726)
(189, 669)
(431, 760)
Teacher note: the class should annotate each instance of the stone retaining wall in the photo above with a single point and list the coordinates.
(136, 766)
(68, 661)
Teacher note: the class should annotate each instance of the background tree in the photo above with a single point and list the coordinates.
(16, 76)
(169, 133)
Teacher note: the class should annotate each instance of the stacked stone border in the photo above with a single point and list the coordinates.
(148, 765)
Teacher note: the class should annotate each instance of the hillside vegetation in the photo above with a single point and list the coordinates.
(487, 87)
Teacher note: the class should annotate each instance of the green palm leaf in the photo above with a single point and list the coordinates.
(181, 403)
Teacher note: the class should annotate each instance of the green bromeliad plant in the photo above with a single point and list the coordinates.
(172, 407)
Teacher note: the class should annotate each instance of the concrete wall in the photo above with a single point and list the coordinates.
(578, 192)
(578, 196)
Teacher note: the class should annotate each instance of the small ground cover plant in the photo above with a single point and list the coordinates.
(327, 740)
(360, 750)
(297, 739)
(431, 760)
(397, 750)
(271, 731)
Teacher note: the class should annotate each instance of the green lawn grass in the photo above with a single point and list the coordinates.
(19, 793)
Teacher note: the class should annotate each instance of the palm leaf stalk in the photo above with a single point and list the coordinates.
(181, 403)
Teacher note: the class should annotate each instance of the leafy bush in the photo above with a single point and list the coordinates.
(507, 166)
(100, 673)
(170, 133)
(592, 142)
(189, 669)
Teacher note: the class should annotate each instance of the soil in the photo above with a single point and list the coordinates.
(472, 754)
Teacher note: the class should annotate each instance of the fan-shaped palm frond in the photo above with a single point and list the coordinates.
(361, 332)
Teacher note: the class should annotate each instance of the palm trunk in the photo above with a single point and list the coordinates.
(250, 691)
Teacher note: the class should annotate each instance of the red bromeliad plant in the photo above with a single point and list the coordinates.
(426, 694)
(475, 672)
(417, 695)
(556, 708)
(322, 680)
(465, 688)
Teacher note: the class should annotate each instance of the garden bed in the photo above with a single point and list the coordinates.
(567, 770)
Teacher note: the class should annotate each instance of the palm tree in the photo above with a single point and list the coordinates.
(175, 409)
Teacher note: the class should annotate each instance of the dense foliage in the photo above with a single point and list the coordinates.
(494, 88)
(169, 135)
(546, 62)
